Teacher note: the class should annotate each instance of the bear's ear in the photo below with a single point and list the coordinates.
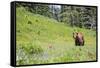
(77, 33)
(74, 35)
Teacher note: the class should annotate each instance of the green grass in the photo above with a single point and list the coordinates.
(44, 40)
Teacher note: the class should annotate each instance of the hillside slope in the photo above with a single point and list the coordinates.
(44, 40)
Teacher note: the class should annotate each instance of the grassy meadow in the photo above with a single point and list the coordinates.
(43, 40)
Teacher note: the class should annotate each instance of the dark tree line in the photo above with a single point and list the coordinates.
(70, 15)
(37, 8)
(78, 16)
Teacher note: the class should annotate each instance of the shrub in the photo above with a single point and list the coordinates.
(32, 48)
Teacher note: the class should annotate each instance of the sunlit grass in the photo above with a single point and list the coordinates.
(45, 40)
